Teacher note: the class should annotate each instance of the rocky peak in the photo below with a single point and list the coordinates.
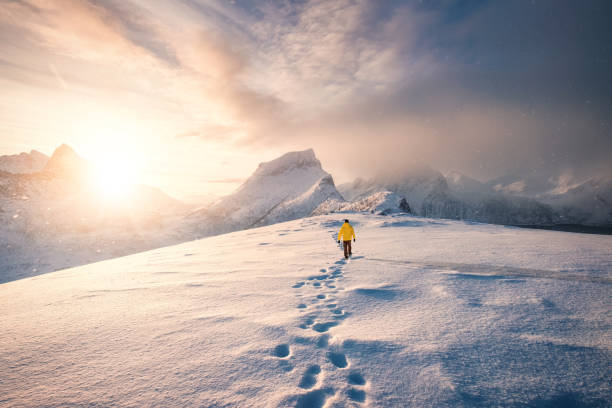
(66, 162)
(289, 161)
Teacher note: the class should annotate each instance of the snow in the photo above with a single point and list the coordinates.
(427, 313)
(588, 203)
(382, 202)
(286, 188)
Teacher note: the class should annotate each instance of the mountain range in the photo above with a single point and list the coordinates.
(52, 217)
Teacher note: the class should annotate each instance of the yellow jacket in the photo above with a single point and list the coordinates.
(347, 232)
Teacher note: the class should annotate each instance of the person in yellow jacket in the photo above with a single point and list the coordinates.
(346, 233)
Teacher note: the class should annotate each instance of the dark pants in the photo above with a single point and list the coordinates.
(347, 248)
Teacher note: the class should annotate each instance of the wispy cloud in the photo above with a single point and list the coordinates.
(482, 87)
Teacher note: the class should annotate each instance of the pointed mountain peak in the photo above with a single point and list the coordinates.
(65, 161)
(289, 161)
(64, 150)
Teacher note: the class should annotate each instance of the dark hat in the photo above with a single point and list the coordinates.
(345, 220)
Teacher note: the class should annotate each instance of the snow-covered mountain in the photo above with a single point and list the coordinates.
(527, 184)
(382, 203)
(65, 163)
(289, 187)
(427, 313)
(415, 185)
(589, 203)
(430, 194)
(56, 218)
(461, 184)
(23, 163)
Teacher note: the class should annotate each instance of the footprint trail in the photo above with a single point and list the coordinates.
(321, 311)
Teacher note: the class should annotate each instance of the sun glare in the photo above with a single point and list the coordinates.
(115, 178)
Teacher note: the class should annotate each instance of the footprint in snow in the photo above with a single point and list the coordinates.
(318, 277)
(320, 296)
(281, 351)
(323, 327)
(355, 378)
(314, 398)
(309, 379)
(302, 306)
(356, 395)
(323, 341)
(298, 285)
(337, 359)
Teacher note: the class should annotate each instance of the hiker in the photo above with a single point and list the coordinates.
(347, 232)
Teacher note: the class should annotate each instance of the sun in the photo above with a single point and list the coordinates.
(115, 178)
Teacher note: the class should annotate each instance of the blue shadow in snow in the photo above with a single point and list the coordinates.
(382, 294)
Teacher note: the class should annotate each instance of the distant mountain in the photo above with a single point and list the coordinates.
(23, 163)
(382, 202)
(66, 163)
(461, 184)
(56, 218)
(289, 187)
(431, 194)
(589, 203)
(415, 185)
(528, 183)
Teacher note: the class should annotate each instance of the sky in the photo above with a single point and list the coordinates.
(198, 92)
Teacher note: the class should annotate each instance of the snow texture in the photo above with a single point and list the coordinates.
(426, 313)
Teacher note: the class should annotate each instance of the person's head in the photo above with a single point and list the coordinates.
(346, 221)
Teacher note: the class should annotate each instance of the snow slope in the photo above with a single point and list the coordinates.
(427, 313)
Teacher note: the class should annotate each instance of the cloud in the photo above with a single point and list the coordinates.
(457, 87)
(210, 132)
(227, 181)
(481, 87)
